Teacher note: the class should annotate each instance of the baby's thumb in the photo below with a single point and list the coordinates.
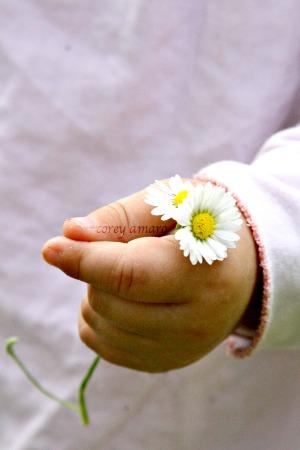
(124, 220)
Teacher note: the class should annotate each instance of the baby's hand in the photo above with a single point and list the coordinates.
(147, 307)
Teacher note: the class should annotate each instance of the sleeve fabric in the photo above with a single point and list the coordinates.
(268, 193)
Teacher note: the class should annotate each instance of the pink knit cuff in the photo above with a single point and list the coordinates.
(244, 340)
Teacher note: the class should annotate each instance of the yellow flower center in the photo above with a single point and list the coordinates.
(203, 225)
(179, 197)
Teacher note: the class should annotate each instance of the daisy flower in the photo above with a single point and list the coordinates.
(207, 224)
(167, 199)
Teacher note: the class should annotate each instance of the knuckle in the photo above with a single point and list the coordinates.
(93, 298)
(86, 312)
(79, 263)
(125, 275)
(97, 304)
(84, 332)
(119, 213)
(122, 275)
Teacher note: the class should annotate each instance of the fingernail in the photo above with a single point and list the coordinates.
(83, 222)
(52, 256)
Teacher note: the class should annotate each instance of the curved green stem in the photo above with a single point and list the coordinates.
(9, 345)
(81, 392)
(80, 408)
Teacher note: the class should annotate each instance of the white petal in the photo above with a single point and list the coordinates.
(163, 187)
(193, 257)
(157, 211)
(222, 202)
(219, 248)
(157, 198)
(226, 235)
(183, 216)
(176, 183)
(186, 251)
(207, 253)
(230, 226)
(229, 214)
(200, 257)
(207, 194)
(187, 185)
(221, 258)
(166, 216)
(216, 197)
(182, 233)
(228, 244)
(195, 197)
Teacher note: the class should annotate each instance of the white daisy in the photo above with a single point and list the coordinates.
(167, 199)
(208, 222)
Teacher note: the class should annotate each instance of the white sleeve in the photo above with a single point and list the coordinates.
(268, 193)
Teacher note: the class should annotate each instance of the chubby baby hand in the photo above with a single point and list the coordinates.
(147, 307)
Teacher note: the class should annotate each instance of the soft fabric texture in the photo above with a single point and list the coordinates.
(98, 99)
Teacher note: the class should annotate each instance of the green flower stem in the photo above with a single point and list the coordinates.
(80, 408)
(81, 392)
(10, 343)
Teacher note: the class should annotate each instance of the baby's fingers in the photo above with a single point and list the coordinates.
(124, 220)
(147, 270)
